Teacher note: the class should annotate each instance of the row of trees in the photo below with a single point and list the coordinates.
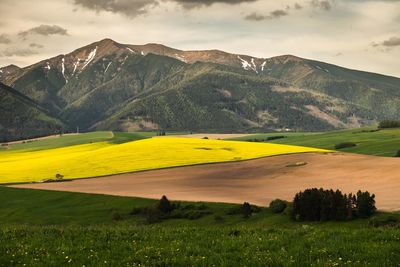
(324, 205)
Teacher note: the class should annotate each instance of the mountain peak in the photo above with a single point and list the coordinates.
(107, 41)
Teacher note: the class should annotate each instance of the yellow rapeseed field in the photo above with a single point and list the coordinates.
(102, 158)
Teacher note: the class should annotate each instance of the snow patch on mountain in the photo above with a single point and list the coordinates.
(63, 69)
(245, 65)
(254, 65)
(130, 50)
(75, 65)
(90, 58)
(181, 58)
(107, 67)
(263, 65)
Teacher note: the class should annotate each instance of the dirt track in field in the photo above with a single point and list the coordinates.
(257, 181)
(208, 135)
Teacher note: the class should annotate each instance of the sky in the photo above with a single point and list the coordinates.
(358, 34)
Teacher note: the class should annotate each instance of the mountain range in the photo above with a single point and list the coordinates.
(111, 86)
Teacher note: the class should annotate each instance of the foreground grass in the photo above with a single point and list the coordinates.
(106, 158)
(197, 246)
(369, 141)
(44, 228)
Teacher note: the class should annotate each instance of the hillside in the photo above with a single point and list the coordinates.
(369, 140)
(21, 117)
(111, 86)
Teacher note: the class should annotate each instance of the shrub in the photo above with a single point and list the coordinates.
(386, 221)
(188, 214)
(153, 215)
(270, 138)
(277, 205)
(389, 124)
(218, 218)
(289, 209)
(397, 153)
(345, 145)
(239, 210)
(116, 216)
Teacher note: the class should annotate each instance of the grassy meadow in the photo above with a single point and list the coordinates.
(107, 157)
(369, 140)
(45, 228)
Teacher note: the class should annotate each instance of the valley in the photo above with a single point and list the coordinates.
(175, 133)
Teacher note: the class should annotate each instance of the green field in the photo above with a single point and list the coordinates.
(44, 228)
(77, 139)
(370, 141)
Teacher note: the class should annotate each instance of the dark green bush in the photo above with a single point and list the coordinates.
(345, 145)
(385, 221)
(289, 209)
(389, 124)
(278, 205)
(189, 214)
(397, 153)
(218, 218)
(240, 210)
(153, 215)
(116, 216)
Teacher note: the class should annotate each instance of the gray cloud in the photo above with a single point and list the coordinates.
(322, 4)
(44, 30)
(394, 41)
(276, 14)
(127, 7)
(297, 6)
(198, 3)
(387, 44)
(18, 52)
(133, 8)
(35, 45)
(4, 39)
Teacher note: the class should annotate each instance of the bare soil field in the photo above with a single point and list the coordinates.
(257, 181)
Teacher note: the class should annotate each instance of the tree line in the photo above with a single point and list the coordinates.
(325, 205)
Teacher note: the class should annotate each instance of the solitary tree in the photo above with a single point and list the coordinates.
(246, 210)
(165, 205)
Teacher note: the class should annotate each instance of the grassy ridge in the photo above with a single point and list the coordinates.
(76, 139)
(84, 234)
(368, 141)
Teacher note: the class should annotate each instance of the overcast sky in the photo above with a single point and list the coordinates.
(360, 34)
